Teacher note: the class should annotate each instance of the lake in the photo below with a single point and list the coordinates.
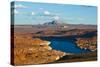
(64, 44)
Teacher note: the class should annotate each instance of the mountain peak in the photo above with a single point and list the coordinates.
(54, 22)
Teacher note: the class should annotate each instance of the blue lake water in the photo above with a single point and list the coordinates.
(65, 45)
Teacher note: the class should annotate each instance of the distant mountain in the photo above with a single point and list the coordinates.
(60, 24)
(54, 22)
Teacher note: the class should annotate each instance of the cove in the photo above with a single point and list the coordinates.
(64, 44)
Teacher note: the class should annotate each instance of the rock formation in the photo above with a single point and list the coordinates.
(87, 43)
(34, 51)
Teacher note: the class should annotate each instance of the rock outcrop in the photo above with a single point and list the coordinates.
(87, 43)
(34, 51)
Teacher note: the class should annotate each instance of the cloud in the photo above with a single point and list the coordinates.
(15, 11)
(33, 13)
(18, 6)
(56, 17)
(46, 12)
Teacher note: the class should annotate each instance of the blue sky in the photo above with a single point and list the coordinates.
(39, 13)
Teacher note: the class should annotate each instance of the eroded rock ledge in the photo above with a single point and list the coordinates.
(87, 43)
(34, 51)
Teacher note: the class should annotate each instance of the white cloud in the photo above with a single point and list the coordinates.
(56, 17)
(33, 13)
(46, 12)
(19, 6)
(15, 11)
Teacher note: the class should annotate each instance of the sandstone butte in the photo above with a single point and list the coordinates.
(34, 51)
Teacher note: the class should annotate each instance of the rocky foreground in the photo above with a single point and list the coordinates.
(34, 51)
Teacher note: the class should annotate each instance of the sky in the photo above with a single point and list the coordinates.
(39, 13)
